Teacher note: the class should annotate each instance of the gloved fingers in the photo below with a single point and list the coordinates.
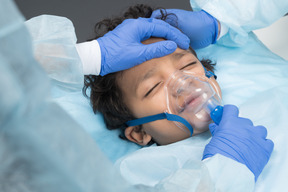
(159, 49)
(197, 44)
(172, 15)
(245, 121)
(159, 28)
(212, 128)
(261, 131)
(230, 110)
(156, 13)
(264, 144)
(269, 146)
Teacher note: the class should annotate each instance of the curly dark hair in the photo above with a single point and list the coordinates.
(105, 94)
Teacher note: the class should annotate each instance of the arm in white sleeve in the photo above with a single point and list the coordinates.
(90, 55)
(223, 29)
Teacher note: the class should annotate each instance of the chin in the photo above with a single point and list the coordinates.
(202, 130)
(201, 123)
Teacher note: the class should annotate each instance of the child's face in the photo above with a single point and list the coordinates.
(144, 94)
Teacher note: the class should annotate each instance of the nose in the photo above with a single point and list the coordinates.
(179, 83)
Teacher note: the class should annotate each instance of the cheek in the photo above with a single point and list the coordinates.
(150, 106)
(165, 132)
(216, 87)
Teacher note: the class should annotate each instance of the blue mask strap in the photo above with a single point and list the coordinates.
(209, 74)
(168, 116)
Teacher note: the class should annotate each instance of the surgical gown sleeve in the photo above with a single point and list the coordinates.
(242, 16)
(178, 167)
(54, 47)
(219, 173)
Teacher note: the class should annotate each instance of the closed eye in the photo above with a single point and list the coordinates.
(146, 95)
(192, 63)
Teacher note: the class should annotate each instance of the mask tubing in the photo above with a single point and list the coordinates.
(216, 114)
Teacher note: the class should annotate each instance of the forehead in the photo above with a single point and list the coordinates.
(139, 70)
(127, 80)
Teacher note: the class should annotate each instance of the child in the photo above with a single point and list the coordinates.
(139, 91)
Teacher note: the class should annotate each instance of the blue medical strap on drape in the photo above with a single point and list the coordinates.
(168, 116)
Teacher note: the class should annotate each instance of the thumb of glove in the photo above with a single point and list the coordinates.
(159, 49)
(212, 128)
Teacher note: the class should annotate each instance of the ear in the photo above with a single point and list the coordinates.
(134, 134)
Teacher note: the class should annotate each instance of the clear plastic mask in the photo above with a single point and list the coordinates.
(192, 97)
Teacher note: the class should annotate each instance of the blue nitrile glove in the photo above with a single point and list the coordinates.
(199, 26)
(238, 139)
(122, 48)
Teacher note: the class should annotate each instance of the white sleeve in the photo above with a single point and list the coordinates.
(90, 55)
(223, 30)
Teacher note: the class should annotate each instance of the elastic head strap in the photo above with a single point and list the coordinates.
(209, 74)
(168, 116)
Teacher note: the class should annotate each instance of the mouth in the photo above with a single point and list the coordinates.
(192, 104)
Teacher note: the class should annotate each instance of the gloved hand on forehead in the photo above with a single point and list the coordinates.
(199, 26)
(122, 48)
(238, 139)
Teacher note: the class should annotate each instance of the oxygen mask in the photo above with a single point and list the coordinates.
(193, 98)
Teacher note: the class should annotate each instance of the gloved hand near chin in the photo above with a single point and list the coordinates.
(199, 26)
(238, 139)
(122, 48)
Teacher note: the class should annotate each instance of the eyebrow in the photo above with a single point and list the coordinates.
(178, 56)
(151, 72)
